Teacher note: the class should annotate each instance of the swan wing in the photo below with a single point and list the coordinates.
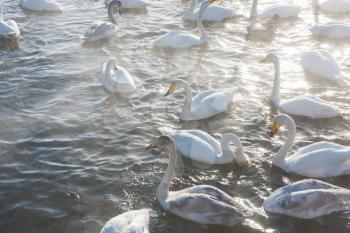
(335, 6)
(100, 30)
(281, 10)
(217, 13)
(177, 39)
(41, 5)
(318, 146)
(205, 209)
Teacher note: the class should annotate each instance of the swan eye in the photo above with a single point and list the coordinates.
(274, 129)
(171, 89)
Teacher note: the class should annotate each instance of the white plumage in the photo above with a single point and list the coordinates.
(41, 5)
(335, 30)
(333, 6)
(280, 10)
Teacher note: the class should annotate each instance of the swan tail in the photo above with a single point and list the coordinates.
(167, 131)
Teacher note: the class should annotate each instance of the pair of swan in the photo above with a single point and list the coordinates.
(116, 79)
(104, 30)
(308, 199)
(42, 5)
(334, 30)
(202, 204)
(280, 10)
(211, 14)
(135, 221)
(9, 32)
(130, 4)
(318, 160)
(200, 146)
(322, 63)
(300, 105)
(203, 105)
(332, 6)
(181, 39)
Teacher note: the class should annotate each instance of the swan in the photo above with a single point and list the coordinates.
(332, 6)
(300, 105)
(280, 10)
(116, 79)
(181, 39)
(307, 199)
(200, 146)
(104, 30)
(41, 5)
(321, 63)
(211, 14)
(334, 30)
(130, 4)
(203, 105)
(203, 204)
(9, 32)
(135, 221)
(318, 160)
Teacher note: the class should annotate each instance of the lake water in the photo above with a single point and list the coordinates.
(72, 155)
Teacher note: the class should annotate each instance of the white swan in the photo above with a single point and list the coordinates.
(104, 30)
(203, 105)
(42, 5)
(213, 13)
(334, 30)
(321, 63)
(130, 4)
(200, 146)
(135, 221)
(9, 32)
(307, 199)
(116, 79)
(281, 10)
(301, 105)
(333, 6)
(182, 39)
(202, 204)
(318, 160)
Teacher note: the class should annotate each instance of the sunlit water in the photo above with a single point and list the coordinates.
(72, 155)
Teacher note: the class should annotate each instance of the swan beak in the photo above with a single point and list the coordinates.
(264, 60)
(211, 1)
(170, 90)
(151, 146)
(274, 129)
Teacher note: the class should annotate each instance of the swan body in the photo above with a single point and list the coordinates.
(202, 204)
(279, 9)
(331, 159)
(203, 105)
(333, 6)
(42, 5)
(335, 30)
(104, 30)
(307, 199)
(135, 221)
(213, 13)
(321, 63)
(116, 79)
(130, 4)
(181, 39)
(300, 105)
(9, 32)
(200, 146)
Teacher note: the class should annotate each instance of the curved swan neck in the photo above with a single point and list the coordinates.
(203, 33)
(163, 188)
(111, 15)
(188, 93)
(111, 65)
(275, 97)
(279, 158)
(240, 157)
(254, 9)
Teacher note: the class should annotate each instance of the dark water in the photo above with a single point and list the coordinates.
(72, 156)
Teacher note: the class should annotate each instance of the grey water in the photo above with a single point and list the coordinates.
(72, 155)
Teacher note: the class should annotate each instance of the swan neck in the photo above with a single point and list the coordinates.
(254, 9)
(240, 157)
(163, 188)
(203, 33)
(279, 158)
(192, 6)
(111, 15)
(275, 98)
(188, 100)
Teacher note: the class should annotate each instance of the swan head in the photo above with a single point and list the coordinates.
(280, 120)
(176, 84)
(112, 62)
(115, 5)
(161, 142)
(270, 58)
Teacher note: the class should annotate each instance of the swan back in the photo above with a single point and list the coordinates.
(136, 221)
(308, 199)
(281, 10)
(100, 30)
(336, 30)
(41, 5)
(333, 6)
